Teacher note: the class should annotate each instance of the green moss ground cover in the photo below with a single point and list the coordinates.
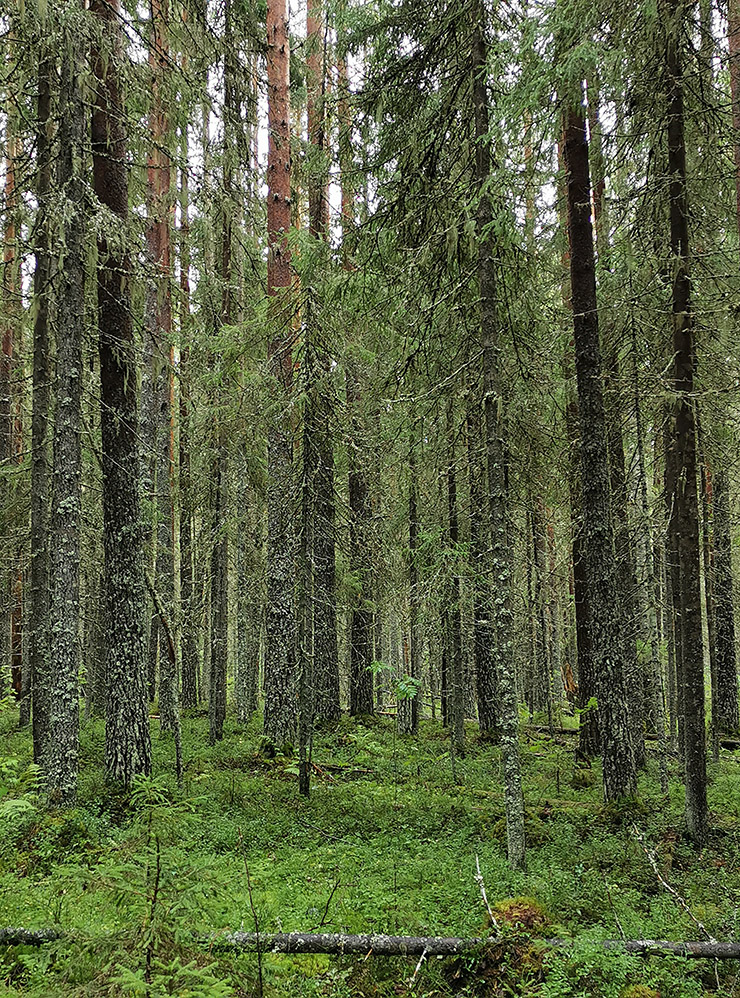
(387, 842)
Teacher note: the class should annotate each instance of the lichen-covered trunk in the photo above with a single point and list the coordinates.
(486, 684)
(724, 600)
(498, 505)
(39, 596)
(684, 521)
(127, 739)
(648, 593)
(159, 328)
(61, 757)
(598, 541)
(248, 612)
(280, 629)
(626, 575)
(325, 666)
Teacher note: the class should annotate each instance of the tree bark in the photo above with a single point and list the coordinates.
(486, 683)
(127, 739)
(457, 697)
(684, 521)
(724, 596)
(501, 563)
(280, 651)
(61, 758)
(361, 681)
(39, 610)
(189, 644)
(598, 538)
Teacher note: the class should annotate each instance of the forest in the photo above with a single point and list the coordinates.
(369, 498)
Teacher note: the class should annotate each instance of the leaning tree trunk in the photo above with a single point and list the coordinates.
(598, 539)
(684, 521)
(280, 630)
(61, 757)
(127, 740)
(501, 562)
(39, 610)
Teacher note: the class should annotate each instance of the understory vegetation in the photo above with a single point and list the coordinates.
(142, 885)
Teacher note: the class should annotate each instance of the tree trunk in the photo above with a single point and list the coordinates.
(733, 37)
(219, 550)
(598, 540)
(408, 707)
(457, 691)
(280, 652)
(127, 740)
(724, 596)
(189, 644)
(486, 683)
(39, 610)
(318, 399)
(684, 521)
(248, 622)
(361, 680)
(159, 325)
(61, 758)
(501, 562)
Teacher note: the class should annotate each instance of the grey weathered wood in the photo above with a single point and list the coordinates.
(339, 944)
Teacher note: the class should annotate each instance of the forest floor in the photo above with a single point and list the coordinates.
(387, 842)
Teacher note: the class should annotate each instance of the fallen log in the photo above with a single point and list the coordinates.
(339, 944)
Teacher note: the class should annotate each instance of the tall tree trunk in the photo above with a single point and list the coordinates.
(408, 707)
(648, 591)
(248, 622)
(189, 645)
(457, 691)
(684, 521)
(361, 679)
(707, 567)
(8, 574)
(159, 325)
(724, 596)
(127, 739)
(598, 539)
(280, 651)
(219, 550)
(325, 666)
(501, 563)
(733, 36)
(61, 758)
(486, 683)
(39, 610)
